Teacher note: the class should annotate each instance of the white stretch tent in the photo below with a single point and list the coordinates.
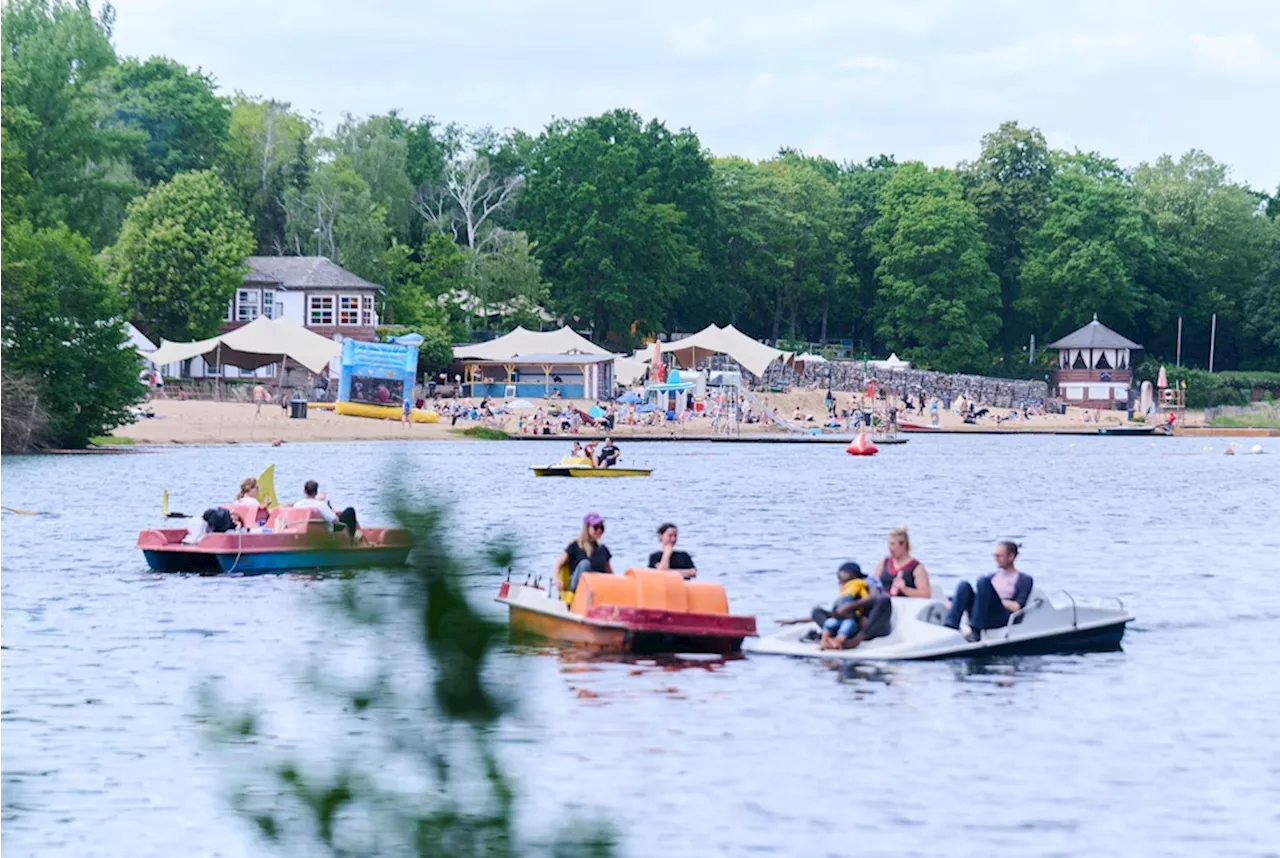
(893, 362)
(260, 343)
(753, 355)
(522, 341)
(629, 370)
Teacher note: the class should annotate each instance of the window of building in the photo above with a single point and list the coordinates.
(247, 305)
(269, 304)
(1102, 362)
(349, 310)
(366, 311)
(320, 310)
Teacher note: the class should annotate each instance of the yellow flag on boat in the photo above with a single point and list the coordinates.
(267, 488)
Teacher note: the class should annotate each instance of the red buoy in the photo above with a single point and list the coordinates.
(861, 446)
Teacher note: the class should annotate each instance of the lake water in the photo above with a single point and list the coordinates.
(1166, 748)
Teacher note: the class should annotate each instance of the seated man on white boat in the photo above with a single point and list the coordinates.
(316, 500)
(995, 598)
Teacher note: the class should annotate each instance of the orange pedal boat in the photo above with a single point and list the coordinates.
(645, 610)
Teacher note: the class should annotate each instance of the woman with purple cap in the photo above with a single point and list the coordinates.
(586, 553)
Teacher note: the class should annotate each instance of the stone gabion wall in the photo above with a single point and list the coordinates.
(848, 375)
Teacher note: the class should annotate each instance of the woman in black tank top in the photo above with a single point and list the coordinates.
(901, 574)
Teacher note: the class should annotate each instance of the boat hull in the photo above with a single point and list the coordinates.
(918, 634)
(570, 471)
(264, 553)
(537, 615)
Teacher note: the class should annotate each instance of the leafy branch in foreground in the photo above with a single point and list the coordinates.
(401, 761)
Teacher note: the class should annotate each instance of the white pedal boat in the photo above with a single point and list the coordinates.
(1054, 623)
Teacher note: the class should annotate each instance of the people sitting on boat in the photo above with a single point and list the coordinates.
(861, 612)
(667, 557)
(247, 504)
(608, 455)
(901, 574)
(995, 598)
(586, 553)
(853, 588)
(576, 452)
(315, 499)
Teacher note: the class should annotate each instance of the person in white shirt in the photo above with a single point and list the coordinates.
(315, 499)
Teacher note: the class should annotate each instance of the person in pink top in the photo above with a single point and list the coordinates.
(995, 598)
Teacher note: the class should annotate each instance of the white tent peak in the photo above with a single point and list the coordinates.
(752, 354)
(522, 341)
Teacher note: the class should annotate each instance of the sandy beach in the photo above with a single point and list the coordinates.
(203, 422)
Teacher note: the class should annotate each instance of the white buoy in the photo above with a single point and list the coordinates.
(1256, 450)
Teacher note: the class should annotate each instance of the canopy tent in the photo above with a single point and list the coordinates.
(260, 343)
(629, 370)
(522, 341)
(808, 359)
(893, 362)
(753, 355)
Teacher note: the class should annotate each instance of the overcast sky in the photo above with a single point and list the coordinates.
(920, 79)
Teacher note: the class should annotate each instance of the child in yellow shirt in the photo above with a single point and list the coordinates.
(853, 588)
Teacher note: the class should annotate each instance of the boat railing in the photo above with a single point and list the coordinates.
(1071, 599)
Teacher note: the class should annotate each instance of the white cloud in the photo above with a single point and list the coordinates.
(843, 78)
(1234, 53)
(872, 64)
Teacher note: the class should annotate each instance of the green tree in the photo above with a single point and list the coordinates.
(1218, 238)
(415, 770)
(378, 147)
(1092, 253)
(860, 186)
(181, 255)
(509, 275)
(782, 230)
(416, 280)
(1262, 307)
(55, 117)
(937, 299)
(63, 335)
(183, 123)
(612, 205)
(267, 155)
(1009, 186)
(337, 216)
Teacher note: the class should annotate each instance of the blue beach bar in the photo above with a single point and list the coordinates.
(567, 376)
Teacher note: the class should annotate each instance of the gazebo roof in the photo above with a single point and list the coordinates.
(1094, 335)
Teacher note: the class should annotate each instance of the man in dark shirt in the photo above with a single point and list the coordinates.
(667, 557)
(609, 455)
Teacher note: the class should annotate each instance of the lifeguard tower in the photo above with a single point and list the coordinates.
(1095, 367)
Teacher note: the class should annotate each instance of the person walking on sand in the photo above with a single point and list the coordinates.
(259, 396)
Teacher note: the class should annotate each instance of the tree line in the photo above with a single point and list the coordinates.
(134, 188)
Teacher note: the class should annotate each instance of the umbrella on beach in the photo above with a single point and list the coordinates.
(596, 411)
(644, 409)
(1162, 381)
(520, 405)
(631, 398)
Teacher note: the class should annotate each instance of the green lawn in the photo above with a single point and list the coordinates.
(110, 441)
(1261, 420)
(482, 432)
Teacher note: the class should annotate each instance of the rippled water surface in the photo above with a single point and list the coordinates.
(1167, 748)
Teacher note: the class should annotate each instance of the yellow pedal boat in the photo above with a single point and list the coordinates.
(589, 471)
